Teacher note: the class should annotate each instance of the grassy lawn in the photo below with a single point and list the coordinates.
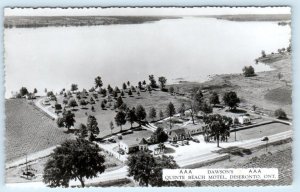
(260, 131)
(12, 175)
(28, 130)
(156, 99)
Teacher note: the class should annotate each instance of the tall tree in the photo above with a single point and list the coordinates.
(74, 87)
(197, 95)
(195, 102)
(23, 91)
(161, 114)
(170, 111)
(69, 119)
(231, 100)
(109, 89)
(72, 103)
(98, 82)
(162, 81)
(280, 114)
(163, 162)
(122, 94)
(248, 71)
(57, 108)
(120, 119)
(124, 86)
(130, 93)
(147, 170)
(152, 113)
(74, 159)
(119, 101)
(83, 103)
(65, 101)
(217, 127)
(92, 125)
(214, 98)
(117, 89)
(159, 136)
(152, 81)
(182, 109)
(111, 126)
(133, 89)
(140, 166)
(83, 131)
(171, 90)
(263, 53)
(206, 108)
(140, 85)
(140, 114)
(131, 116)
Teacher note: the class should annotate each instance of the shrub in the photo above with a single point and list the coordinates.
(248, 71)
(280, 114)
(60, 122)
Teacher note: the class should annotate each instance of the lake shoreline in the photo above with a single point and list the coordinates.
(265, 90)
(69, 21)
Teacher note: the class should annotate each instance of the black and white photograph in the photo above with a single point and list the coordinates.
(148, 96)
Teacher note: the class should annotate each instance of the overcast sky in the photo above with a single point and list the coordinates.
(144, 11)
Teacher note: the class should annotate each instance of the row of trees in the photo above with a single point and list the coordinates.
(198, 103)
(81, 159)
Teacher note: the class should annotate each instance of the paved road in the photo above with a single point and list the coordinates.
(39, 104)
(256, 142)
(122, 172)
(106, 176)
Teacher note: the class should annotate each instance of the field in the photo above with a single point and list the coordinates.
(277, 157)
(28, 130)
(260, 131)
(156, 99)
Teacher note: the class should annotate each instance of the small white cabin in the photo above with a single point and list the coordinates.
(244, 120)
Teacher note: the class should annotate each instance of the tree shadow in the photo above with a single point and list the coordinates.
(74, 109)
(237, 151)
(236, 111)
(169, 150)
(70, 131)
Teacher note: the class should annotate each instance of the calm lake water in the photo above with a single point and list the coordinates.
(179, 49)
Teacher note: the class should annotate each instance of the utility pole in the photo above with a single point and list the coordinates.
(26, 169)
(234, 133)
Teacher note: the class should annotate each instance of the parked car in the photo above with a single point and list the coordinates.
(174, 145)
(196, 140)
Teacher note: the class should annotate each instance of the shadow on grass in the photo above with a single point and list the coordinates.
(236, 111)
(237, 151)
(70, 131)
(169, 150)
